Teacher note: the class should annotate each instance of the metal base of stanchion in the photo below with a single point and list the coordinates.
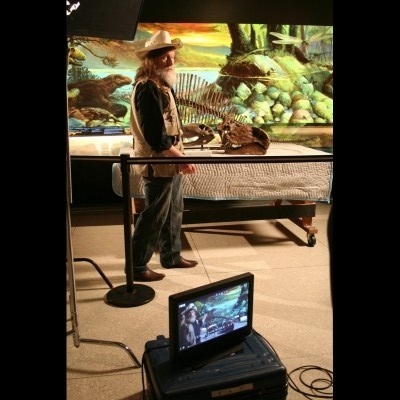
(120, 297)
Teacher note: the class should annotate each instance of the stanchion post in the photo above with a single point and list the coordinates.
(131, 294)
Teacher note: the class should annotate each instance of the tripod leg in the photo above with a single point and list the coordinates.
(106, 280)
(110, 343)
(72, 296)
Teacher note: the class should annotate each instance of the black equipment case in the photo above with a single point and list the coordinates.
(254, 373)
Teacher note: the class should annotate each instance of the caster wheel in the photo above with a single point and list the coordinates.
(311, 239)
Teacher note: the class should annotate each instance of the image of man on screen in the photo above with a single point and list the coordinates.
(189, 333)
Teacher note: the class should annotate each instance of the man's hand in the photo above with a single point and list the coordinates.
(187, 168)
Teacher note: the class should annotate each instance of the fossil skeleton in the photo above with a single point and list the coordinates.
(201, 104)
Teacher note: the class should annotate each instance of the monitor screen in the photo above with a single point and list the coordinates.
(210, 321)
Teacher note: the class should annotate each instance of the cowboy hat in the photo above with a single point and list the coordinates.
(159, 40)
(190, 307)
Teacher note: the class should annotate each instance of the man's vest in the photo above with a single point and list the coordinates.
(172, 127)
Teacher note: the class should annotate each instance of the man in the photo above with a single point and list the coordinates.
(156, 127)
(189, 333)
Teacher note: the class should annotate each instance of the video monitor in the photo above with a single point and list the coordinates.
(210, 321)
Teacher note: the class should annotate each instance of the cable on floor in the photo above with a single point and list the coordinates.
(320, 388)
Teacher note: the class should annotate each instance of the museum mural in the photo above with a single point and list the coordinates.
(276, 79)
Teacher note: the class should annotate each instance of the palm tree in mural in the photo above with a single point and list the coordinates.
(78, 48)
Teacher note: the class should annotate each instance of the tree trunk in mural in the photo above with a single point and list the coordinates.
(240, 42)
(241, 45)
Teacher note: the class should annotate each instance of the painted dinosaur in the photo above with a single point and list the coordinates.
(76, 57)
(96, 93)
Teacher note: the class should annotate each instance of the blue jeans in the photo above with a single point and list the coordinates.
(159, 224)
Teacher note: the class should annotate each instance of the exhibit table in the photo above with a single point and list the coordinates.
(284, 183)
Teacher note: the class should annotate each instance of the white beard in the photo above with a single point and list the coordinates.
(169, 77)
